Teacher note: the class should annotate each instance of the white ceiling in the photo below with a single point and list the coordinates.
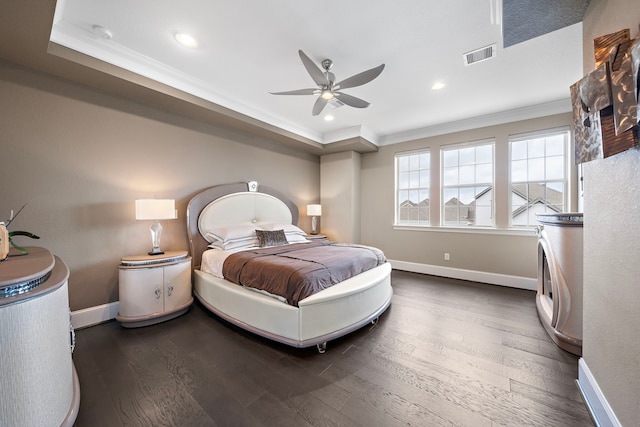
(249, 48)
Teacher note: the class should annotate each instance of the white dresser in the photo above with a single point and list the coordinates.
(38, 383)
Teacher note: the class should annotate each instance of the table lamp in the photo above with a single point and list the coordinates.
(314, 211)
(155, 210)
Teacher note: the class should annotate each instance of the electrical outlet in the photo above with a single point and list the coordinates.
(446, 256)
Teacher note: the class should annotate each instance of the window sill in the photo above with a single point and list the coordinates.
(468, 230)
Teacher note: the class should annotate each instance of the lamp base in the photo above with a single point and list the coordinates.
(156, 251)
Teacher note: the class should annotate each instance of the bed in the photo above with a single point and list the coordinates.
(314, 320)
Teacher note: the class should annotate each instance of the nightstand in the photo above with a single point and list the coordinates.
(154, 288)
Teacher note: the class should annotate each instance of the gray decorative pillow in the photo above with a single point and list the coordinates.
(271, 237)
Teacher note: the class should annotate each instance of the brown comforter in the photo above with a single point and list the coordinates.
(298, 270)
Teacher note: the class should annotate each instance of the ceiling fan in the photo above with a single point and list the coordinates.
(328, 89)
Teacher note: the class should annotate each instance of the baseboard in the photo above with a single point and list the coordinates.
(519, 282)
(94, 315)
(600, 410)
(103, 313)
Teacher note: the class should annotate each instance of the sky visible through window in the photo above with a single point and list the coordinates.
(537, 181)
(538, 176)
(540, 159)
(413, 183)
(467, 183)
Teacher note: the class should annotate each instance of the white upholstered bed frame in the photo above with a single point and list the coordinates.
(324, 316)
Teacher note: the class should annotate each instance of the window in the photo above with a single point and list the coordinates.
(538, 175)
(412, 187)
(467, 185)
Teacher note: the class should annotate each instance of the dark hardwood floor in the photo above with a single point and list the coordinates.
(446, 353)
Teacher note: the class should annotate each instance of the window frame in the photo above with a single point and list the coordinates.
(397, 190)
(564, 131)
(492, 185)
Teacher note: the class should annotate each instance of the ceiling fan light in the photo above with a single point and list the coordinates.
(327, 94)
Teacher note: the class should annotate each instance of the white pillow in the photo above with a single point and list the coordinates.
(295, 238)
(234, 244)
(252, 239)
(231, 232)
(288, 228)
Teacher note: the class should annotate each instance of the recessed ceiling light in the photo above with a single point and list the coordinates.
(102, 33)
(328, 117)
(186, 40)
(438, 86)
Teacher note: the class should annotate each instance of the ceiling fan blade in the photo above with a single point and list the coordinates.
(351, 101)
(319, 106)
(297, 92)
(360, 78)
(316, 73)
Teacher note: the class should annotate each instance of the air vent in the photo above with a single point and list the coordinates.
(335, 103)
(480, 55)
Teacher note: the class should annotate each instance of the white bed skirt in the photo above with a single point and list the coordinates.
(324, 316)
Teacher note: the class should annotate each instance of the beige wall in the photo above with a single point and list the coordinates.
(340, 196)
(514, 255)
(612, 246)
(80, 158)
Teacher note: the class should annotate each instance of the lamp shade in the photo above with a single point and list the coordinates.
(314, 210)
(155, 209)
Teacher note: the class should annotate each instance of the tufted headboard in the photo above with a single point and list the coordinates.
(230, 204)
